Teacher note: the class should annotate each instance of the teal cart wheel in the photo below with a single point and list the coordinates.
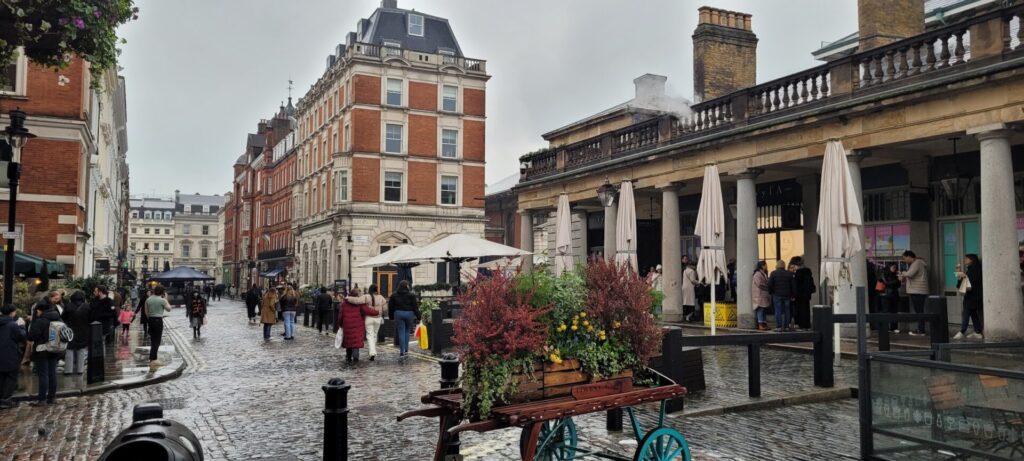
(663, 444)
(556, 442)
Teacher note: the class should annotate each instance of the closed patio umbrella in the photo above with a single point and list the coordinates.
(563, 236)
(840, 225)
(625, 227)
(711, 230)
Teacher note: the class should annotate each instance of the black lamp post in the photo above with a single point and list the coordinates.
(348, 239)
(10, 151)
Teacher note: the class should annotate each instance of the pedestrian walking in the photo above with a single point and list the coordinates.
(804, 289)
(252, 302)
(403, 308)
(324, 316)
(760, 294)
(373, 322)
(102, 309)
(157, 308)
(781, 286)
(915, 282)
(689, 288)
(268, 312)
(134, 293)
(889, 292)
(289, 307)
(351, 319)
(76, 316)
(44, 359)
(125, 316)
(196, 314)
(969, 284)
(12, 335)
(140, 311)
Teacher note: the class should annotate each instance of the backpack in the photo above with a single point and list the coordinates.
(58, 337)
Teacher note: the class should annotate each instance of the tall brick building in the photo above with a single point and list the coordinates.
(239, 246)
(72, 199)
(390, 148)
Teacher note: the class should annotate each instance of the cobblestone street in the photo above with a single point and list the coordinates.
(250, 399)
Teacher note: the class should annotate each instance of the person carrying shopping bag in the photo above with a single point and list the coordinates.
(351, 319)
(405, 311)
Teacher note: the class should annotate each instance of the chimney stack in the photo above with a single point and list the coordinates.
(724, 53)
(881, 22)
(649, 88)
(393, 4)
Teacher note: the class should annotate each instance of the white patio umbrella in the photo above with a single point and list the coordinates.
(563, 236)
(711, 230)
(389, 257)
(840, 225)
(625, 227)
(458, 248)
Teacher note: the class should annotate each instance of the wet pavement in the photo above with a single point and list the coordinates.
(250, 399)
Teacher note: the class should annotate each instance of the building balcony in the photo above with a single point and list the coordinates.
(981, 45)
(367, 51)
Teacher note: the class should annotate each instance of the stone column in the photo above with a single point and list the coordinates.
(611, 219)
(846, 296)
(671, 257)
(526, 235)
(1003, 317)
(812, 248)
(579, 236)
(746, 246)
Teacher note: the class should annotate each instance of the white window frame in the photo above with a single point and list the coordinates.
(147, 214)
(388, 92)
(455, 147)
(205, 230)
(20, 74)
(421, 24)
(401, 138)
(440, 190)
(186, 250)
(342, 193)
(401, 186)
(454, 99)
(186, 229)
(135, 214)
(348, 137)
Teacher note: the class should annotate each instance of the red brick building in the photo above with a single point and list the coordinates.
(274, 242)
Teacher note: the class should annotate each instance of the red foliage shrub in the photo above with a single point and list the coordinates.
(618, 296)
(498, 322)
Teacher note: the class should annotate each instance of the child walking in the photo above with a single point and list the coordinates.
(125, 317)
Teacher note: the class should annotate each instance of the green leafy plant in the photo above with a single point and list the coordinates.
(88, 284)
(491, 382)
(23, 299)
(52, 32)
(428, 305)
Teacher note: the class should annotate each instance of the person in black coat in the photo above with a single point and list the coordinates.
(102, 310)
(45, 362)
(76, 316)
(890, 296)
(140, 311)
(972, 304)
(782, 288)
(803, 287)
(403, 307)
(252, 301)
(12, 335)
(324, 312)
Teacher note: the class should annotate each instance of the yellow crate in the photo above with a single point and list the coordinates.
(726, 315)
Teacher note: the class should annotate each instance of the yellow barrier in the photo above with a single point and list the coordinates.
(725, 315)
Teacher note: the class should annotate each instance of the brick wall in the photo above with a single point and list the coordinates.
(473, 102)
(422, 135)
(724, 54)
(423, 96)
(881, 22)
(473, 140)
(46, 96)
(365, 130)
(50, 167)
(40, 221)
(365, 179)
(365, 89)
(473, 186)
(422, 183)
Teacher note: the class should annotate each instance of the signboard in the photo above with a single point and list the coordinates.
(341, 286)
(8, 235)
(360, 239)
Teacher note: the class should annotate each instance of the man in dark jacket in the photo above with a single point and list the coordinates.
(76, 316)
(252, 301)
(780, 285)
(12, 334)
(102, 310)
(324, 310)
(803, 284)
(45, 362)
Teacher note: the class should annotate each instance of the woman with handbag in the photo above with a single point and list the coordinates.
(354, 309)
(970, 286)
(268, 312)
(888, 288)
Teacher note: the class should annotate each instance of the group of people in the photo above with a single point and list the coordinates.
(914, 281)
(787, 292)
(357, 314)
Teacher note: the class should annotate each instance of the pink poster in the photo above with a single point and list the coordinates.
(869, 241)
(883, 241)
(900, 238)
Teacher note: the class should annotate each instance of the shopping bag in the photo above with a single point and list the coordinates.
(880, 286)
(965, 285)
(421, 332)
(418, 328)
(338, 337)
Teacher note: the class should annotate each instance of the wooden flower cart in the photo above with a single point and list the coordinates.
(548, 431)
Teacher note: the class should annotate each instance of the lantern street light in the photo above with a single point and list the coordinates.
(10, 151)
(606, 194)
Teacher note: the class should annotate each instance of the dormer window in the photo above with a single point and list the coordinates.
(416, 25)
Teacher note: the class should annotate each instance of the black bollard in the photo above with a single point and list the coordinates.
(336, 420)
(96, 371)
(939, 332)
(449, 380)
(823, 346)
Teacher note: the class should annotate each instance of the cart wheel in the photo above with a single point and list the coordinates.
(663, 444)
(556, 442)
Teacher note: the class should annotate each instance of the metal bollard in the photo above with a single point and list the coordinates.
(939, 328)
(449, 380)
(823, 346)
(336, 420)
(96, 371)
(305, 315)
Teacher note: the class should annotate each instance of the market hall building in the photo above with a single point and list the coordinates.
(929, 110)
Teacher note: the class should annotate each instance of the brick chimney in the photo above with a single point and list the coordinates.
(724, 53)
(881, 22)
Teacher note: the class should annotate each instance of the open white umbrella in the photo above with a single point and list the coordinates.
(389, 257)
(625, 227)
(458, 248)
(711, 230)
(563, 236)
(840, 225)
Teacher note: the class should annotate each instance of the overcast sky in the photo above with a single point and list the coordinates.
(201, 73)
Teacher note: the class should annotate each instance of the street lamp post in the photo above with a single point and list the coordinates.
(10, 150)
(348, 240)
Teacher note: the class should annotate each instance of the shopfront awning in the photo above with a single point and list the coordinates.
(273, 272)
(31, 265)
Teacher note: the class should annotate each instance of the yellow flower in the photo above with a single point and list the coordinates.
(555, 358)
(616, 324)
(586, 323)
(583, 314)
(590, 328)
(574, 327)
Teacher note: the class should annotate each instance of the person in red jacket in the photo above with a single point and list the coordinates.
(350, 319)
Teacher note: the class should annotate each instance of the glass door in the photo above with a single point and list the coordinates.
(958, 239)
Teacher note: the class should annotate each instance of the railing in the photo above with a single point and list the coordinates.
(377, 52)
(942, 51)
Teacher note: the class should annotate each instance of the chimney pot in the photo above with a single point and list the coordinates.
(724, 53)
